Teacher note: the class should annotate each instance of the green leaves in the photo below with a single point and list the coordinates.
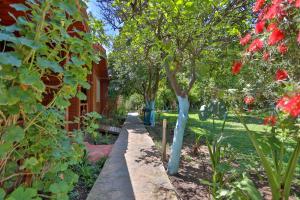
(4, 148)
(70, 8)
(27, 42)
(18, 40)
(189, 4)
(46, 64)
(81, 96)
(32, 78)
(30, 163)
(77, 61)
(24, 194)
(10, 58)
(241, 189)
(5, 37)
(19, 7)
(13, 134)
(2, 194)
(27, 62)
(60, 189)
(61, 102)
(179, 2)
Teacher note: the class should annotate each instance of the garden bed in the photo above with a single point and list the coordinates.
(195, 168)
(89, 169)
(88, 173)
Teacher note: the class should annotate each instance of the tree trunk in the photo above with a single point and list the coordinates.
(152, 112)
(174, 160)
(150, 116)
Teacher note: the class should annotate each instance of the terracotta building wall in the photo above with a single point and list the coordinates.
(99, 74)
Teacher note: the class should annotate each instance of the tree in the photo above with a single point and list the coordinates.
(184, 33)
(137, 60)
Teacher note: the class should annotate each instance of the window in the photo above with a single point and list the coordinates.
(98, 91)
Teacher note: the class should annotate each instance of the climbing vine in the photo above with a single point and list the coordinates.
(35, 148)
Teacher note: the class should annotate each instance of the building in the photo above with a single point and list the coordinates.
(97, 95)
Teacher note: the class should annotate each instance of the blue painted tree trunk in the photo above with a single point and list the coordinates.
(174, 160)
(150, 113)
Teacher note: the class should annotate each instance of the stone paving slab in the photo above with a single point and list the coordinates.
(110, 129)
(134, 169)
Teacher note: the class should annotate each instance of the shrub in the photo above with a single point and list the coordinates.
(36, 151)
(274, 55)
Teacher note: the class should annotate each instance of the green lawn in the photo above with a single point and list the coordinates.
(234, 131)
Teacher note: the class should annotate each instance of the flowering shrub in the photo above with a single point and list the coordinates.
(273, 54)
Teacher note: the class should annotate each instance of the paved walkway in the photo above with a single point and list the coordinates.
(134, 169)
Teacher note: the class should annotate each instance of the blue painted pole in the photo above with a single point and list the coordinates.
(174, 160)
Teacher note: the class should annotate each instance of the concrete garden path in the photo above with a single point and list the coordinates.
(134, 169)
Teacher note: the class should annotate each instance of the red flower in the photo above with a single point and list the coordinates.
(282, 101)
(249, 100)
(258, 5)
(290, 105)
(236, 68)
(262, 13)
(259, 27)
(277, 1)
(271, 27)
(266, 56)
(245, 40)
(298, 39)
(276, 36)
(274, 11)
(270, 120)
(297, 4)
(256, 45)
(282, 48)
(281, 75)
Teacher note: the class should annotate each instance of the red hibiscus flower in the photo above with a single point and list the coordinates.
(245, 40)
(270, 120)
(236, 68)
(271, 27)
(290, 104)
(249, 100)
(266, 56)
(256, 45)
(258, 5)
(281, 75)
(276, 36)
(282, 48)
(259, 27)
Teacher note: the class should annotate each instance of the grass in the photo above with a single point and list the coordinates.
(234, 131)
